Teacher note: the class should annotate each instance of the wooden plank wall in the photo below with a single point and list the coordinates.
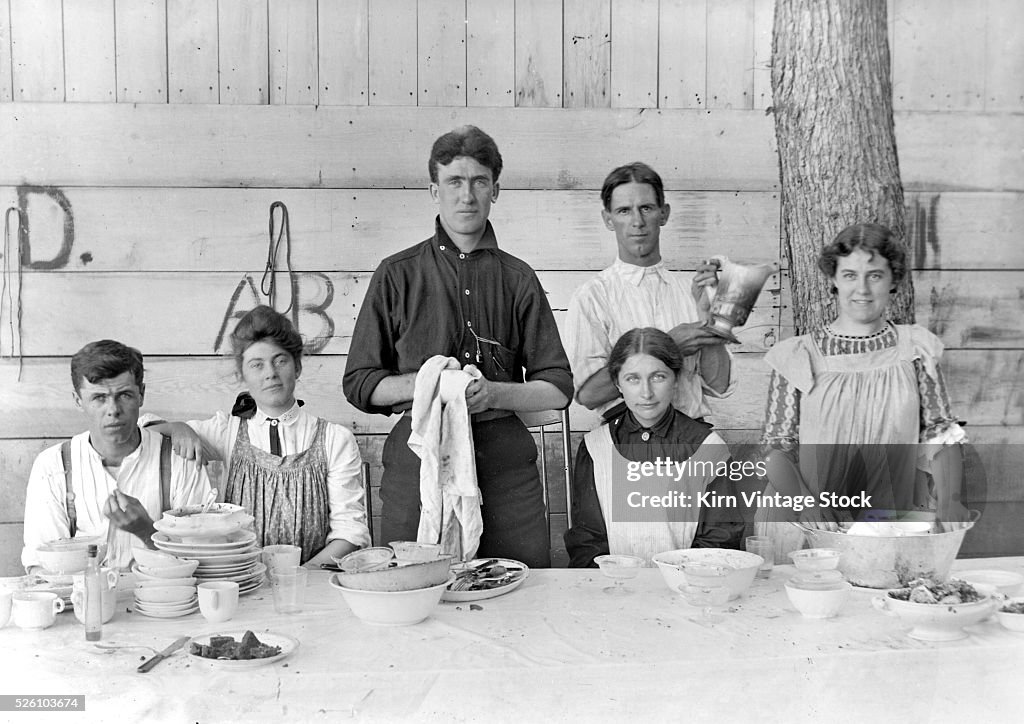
(144, 141)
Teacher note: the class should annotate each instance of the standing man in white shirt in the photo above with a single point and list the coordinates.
(638, 291)
(114, 474)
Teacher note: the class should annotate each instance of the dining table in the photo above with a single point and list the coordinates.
(558, 648)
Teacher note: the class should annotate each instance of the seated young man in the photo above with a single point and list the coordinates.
(114, 473)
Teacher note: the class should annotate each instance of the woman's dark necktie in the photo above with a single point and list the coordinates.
(275, 440)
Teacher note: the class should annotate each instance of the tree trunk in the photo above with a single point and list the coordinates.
(832, 102)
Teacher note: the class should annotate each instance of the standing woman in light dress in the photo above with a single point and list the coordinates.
(297, 474)
(860, 403)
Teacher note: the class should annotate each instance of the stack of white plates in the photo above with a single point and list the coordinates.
(166, 601)
(234, 557)
(165, 586)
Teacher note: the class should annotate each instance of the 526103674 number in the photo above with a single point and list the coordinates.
(14, 702)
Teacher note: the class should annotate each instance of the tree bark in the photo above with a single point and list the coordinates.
(832, 103)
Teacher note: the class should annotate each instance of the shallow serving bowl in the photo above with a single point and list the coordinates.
(154, 559)
(189, 522)
(815, 559)
(367, 559)
(69, 555)
(184, 568)
(165, 594)
(936, 621)
(401, 577)
(738, 580)
(391, 608)
(411, 551)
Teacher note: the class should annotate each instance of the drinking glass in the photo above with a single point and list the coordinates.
(288, 586)
(708, 597)
(620, 569)
(763, 546)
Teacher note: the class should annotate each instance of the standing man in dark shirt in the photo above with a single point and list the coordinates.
(457, 294)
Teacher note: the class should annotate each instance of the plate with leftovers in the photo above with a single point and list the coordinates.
(951, 592)
(483, 578)
(242, 649)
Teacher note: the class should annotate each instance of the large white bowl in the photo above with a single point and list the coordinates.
(745, 566)
(391, 608)
(893, 560)
(818, 603)
(936, 621)
(69, 555)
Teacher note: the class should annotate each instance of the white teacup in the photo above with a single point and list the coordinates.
(15, 583)
(5, 606)
(281, 557)
(109, 578)
(218, 600)
(35, 609)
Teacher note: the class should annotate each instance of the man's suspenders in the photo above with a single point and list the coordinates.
(69, 494)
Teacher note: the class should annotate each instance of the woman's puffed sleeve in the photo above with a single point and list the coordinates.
(792, 375)
(217, 433)
(345, 495)
(792, 358)
(939, 426)
(588, 537)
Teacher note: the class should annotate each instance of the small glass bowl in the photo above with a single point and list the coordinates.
(815, 559)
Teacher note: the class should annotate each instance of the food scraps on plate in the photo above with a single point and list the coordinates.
(225, 647)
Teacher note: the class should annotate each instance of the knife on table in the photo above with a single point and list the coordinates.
(178, 643)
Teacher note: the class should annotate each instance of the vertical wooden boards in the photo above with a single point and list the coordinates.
(490, 53)
(393, 54)
(538, 53)
(192, 53)
(140, 28)
(344, 53)
(441, 58)
(682, 54)
(243, 51)
(89, 73)
(37, 50)
(1004, 60)
(764, 16)
(586, 53)
(634, 54)
(940, 63)
(293, 52)
(730, 54)
(5, 51)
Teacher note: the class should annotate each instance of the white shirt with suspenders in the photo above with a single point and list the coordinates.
(65, 499)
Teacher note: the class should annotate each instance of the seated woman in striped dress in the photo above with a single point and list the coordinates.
(297, 474)
(648, 454)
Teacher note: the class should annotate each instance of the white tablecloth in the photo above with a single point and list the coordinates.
(557, 649)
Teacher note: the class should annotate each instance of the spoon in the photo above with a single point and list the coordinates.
(211, 498)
